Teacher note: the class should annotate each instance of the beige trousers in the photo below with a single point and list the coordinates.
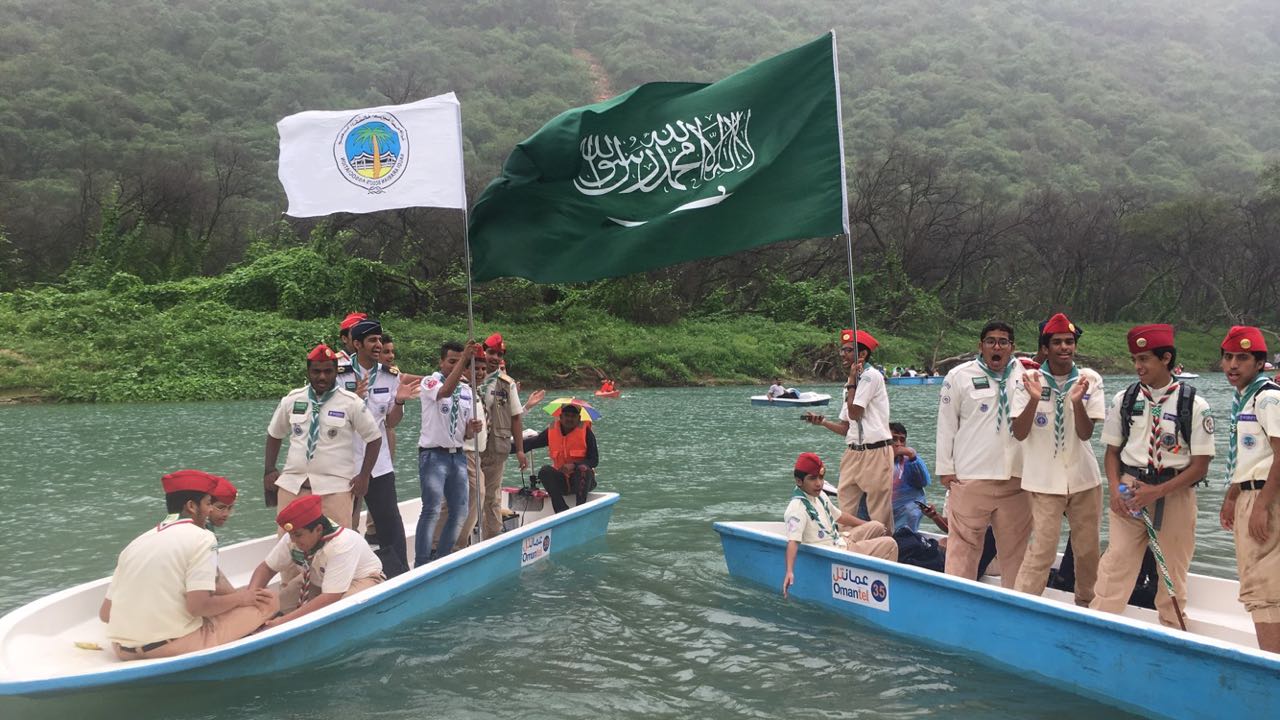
(492, 463)
(1084, 517)
(1127, 543)
(870, 473)
(337, 507)
(871, 538)
(975, 505)
(291, 592)
(1258, 563)
(217, 630)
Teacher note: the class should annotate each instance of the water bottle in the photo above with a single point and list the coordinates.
(1126, 492)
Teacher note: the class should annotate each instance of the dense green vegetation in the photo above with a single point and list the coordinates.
(1118, 159)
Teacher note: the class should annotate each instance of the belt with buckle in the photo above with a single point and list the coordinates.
(870, 446)
(1253, 484)
(1146, 475)
(146, 648)
(441, 449)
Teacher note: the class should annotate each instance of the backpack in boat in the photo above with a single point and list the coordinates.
(1186, 406)
(916, 549)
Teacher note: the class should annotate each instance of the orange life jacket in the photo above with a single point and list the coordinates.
(564, 449)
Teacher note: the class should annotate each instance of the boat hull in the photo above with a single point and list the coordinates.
(917, 380)
(610, 394)
(330, 630)
(1145, 669)
(805, 400)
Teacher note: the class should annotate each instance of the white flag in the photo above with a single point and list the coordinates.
(379, 158)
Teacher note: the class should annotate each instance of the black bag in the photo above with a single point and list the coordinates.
(916, 549)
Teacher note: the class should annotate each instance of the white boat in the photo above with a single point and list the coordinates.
(806, 399)
(57, 644)
(1185, 376)
(1128, 660)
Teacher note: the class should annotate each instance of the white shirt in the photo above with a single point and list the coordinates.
(776, 390)
(1045, 467)
(969, 444)
(873, 397)
(442, 424)
(1259, 421)
(379, 400)
(345, 557)
(153, 575)
(1173, 454)
(344, 420)
(802, 528)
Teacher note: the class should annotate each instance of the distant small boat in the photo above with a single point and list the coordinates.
(609, 394)
(806, 399)
(1186, 376)
(916, 380)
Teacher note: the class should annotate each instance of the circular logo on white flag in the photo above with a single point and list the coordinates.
(372, 151)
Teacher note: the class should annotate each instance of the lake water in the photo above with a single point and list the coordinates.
(647, 624)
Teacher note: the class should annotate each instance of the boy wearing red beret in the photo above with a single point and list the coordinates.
(1159, 438)
(1250, 507)
(162, 600)
(812, 518)
(331, 561)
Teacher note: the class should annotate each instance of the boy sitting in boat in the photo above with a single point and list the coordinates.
(327, 562)
(162, 600)
(812, 518)
(224, 499)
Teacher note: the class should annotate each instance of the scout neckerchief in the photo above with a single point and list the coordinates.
(1059, 404)
(372, 377)
(313, 435)
(1002, 413)
(1237, 406)
(454, 410)
(303, 559)
(1155, 448)
(813, 512)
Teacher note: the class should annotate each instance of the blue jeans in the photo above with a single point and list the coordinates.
(441, 476)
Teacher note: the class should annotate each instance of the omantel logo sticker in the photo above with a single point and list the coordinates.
(372, 151)
(535, 547)
(860, 587)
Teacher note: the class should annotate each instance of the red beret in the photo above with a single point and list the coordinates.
(194, 480)
(350, 320)
(225, 492)
(1243, 338)
(861, 337)
(321, 352)
(494, 342)
(809, 464)
(1149, 337)
(1059, 324)
(301, 512)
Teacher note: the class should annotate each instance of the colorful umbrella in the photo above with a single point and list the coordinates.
(553, 407)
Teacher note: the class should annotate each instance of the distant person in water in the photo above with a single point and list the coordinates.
(606, 386)
(776, 391)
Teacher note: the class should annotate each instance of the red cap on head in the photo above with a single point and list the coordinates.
(1244, 338)
(1144, 338)
(301, 512)
(350, 320)
(225, 492)
(193, 480)
(846, 337)
(494, 342)
(1060, 324)
(864, 338)
(321, 352)
(809, 464)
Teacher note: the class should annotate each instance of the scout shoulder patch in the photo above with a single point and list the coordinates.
(351, 385)
(981, 383)
(1046, 393)
(392, 369)
(300, 406)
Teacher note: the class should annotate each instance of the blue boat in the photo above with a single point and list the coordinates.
(57, 645)
(1122, 660)
(916, 380)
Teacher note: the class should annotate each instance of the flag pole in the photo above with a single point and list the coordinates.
(844, 184)
(473, 499)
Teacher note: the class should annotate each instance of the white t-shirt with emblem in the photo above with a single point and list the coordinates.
(153, 575)
(873, 397)
(802, 528)
(1259, 421)
(1045, 467)
(344, 420)
(970, 443)
(379, 400)
(344, 558)
(1173, 453)
(438, 428)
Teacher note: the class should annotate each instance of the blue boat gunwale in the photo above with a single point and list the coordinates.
(1032, 603)
(385, 591)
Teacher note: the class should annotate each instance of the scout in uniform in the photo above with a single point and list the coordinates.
(331, 562)
(322, 422)
(224, 500)
(979, 461)
(348, 349)
(474, 447)
(866, 468)
(384, 396)
(1250, 507)
(162, 601)
(501, 399)
(812, 518)
(1159, 438)
(448, 407)
(1055, 409)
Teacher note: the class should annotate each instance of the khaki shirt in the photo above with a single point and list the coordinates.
(501, 398)
(802, 528)
(1259, 421)
(342, 418)
(153, 575)
(1073, 467)
(1173, 454)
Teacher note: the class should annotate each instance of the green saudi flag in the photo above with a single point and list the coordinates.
(670, 172)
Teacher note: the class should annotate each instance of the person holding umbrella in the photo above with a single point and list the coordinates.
(572, 447)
